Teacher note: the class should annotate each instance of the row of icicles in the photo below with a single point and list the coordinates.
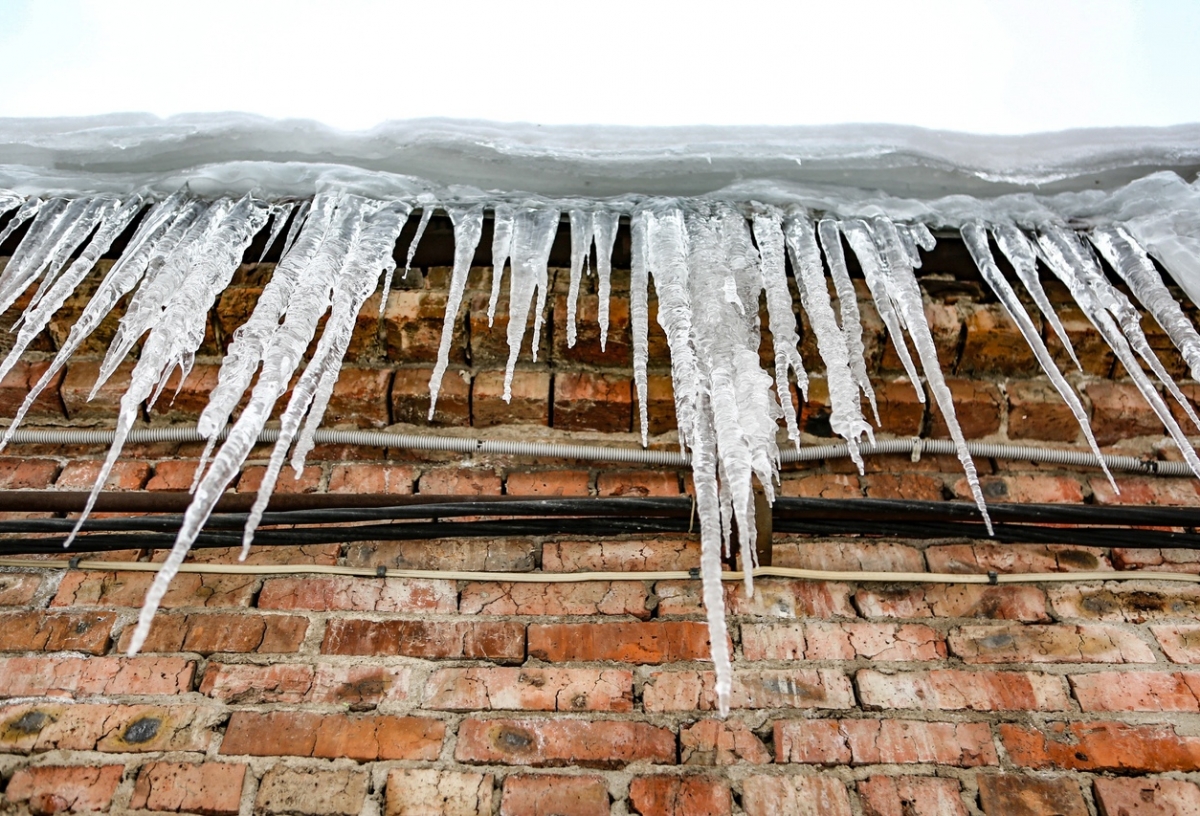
(709, 263)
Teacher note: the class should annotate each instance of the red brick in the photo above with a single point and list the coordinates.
(125, 475)
(1036, 411)
(361, 687)
(549, 483)
(1095, 355)
(288, 790)
(183, 402)
(474, 554)
(545, 795)
(1158, 560)
(901, 413)
(1022, 603)
(821, 486)
(649, 554)
(412, 323)
(914, 486)
(994, 344)
(530, 403)
(660, 405)
(17, 384)
(680, 796)
(360, 398)
(56, 631)
(1180, 642)
(841, 641)
(332, 736)
(1146, 797)
(325, 555)
(1128, 602)
(394, 479)
(173, 475)
(945, 325)
(910, 796)
(80, 588)
(979, 406)
(721, 742)
(57, 789)
(799, 795)
(766, 688)
(309, 482)
(18, 588)
(417, 791)
(1143, 490)
(209, 788)
(1137, 691)
(22, 474)
(638, 483)
(847, 555)
(1015, 795)
(489, 344)
(531, 689)
(83, 677)
(651, 642)
(1022, 643)
(591, 598)
(557, 743)
(884, 742)
(982, 557)
(773, 598)
(77, 385)
(245, 683)
(586, 401)
(618, 348)
(1120, 412)
(108, 728)
(207, 634)
(410, 398)
(324, 593)
(954, 690)
(501, 641)
(1101, 746)
(1026, 489)
(459, 482)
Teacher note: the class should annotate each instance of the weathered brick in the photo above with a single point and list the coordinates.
(22, 474)
(638, 483)
(325, 593)
(846, 555)
(946, 326)
(821, 486)
(17, 384)
(363, 738)
(1023, 603)
(82, 475)
(360, 398)
(618, 348)
(1036, 411)
(554, 743)
(587, 401)
(884, 742)
(721, 742)
(530, 689)
(18, 588)
(982, 557)
(247, 683)
(1016, 795)
(412, 322)
(1159, 560)
(85, 677)
(795, 795)
(1180, 642)
(393, 479)
(459, 482)
(56, 631)
(913, 486)
(56, 788)
(994, 344)
(501, 641)
(549, 483)
(591, 598)
(477, 555)
(1101, 746)
(309, 482)
(360, 687)
(108, 728)
(489, 343)
(766, 688)
(287, 790)
(1120, 412)
(77, 384)
(773, 598)
(410, 398)
(1095, 356)
(978, 405)
(546, 795)
(1130, 602)
(206, 634)
(841, 641)
(910, 796)
(80, 588)
(954, 690)
(621, 556)
(680, 796)
(650, 642)
(325, 555)
(901, 413)
(1137, 691)
(1146, 797)
(529, 405)
(420, 791)
(1026, 489)
(1022, 643)
(1146, 490)
(660, 405)
(209, 788)
(173, 475)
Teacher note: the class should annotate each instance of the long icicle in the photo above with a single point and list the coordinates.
(768, 234)
(604, 229)
(581, 245)
(468, 226)
(639, 316)
(1021, 254)
(831, 244)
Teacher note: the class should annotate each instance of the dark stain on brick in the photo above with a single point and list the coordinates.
(512, 740)
(30, 722)
(142, 730)
(1079, 559)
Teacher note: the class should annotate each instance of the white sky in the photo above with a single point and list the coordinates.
(1000, 67)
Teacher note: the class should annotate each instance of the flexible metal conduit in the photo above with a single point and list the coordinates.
(454, 444)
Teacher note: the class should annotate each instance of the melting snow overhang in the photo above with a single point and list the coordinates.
(717, 217)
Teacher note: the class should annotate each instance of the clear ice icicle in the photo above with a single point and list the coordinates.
(29, 259)
(80, 219)
(639, 316)
(581, 246)
(279, 218)
(1023, 257)
(28, 209)
(468, 225)
(831, 243)
(604, 230)
(975, 237)
(297, 224)
(1131, 262)
(768, 234)
(667, 261)
(502, 232)
(532, 237)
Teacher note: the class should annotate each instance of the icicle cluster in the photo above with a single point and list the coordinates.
(711, 265)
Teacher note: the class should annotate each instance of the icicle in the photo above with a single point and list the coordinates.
(426, 213)
(532, 237)
(31, 256)
(666, 253)
(581, 246)
(846, 417)
(279, 217)
(1131, 262)
(904, 292)
(639, 315)
(9, 201)
(768, 234)
(604, 227)
(79, 221)
(1020, 253)
(28, 209)
(502, 231)
(975, 237)
(468, 225)
(831, 243)
(298, 221)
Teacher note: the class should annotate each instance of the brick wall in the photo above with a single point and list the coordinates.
(334, 695)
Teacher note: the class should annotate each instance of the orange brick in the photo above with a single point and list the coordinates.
(1018, 795)
(841, 641)
(765, 688)
(660, 405)
(1024, 603)
(414, 791)
(994, 344)
(1014, 558)
(649, 554)
(251, 684)
(393, 479)
(721, 742)
(501, 641)
(1147, 490)
(680, 796)
(591, 598)
(901, 412)
(1101, 746)
(360, 398)
(1094, 354)
(530, 403)
(209, 787)
(913, 486)
(410, 398)
(545, 795)
(56, 631)
(637, 483)
(585, 401)
(173, 475)
(129, 589)
(56, 789)
(651, 642)
(979, 406)
(332, 736)
(17, 384)
(1063, 643)
(77, 384)
(206, 634)
(323, 593)
(1036, 411)
(884, 742)
(1137, 691)
(903, 795)
(412, 324)
(847, 555)
(18, 588)
(618, 348)
(1136, 796)
(773, 598)
(84, 677)
(287, 790)
(450, 481)
(108, 728)
(489, 344)
(954, 690)
(185, 401)
(309, 481)
(534, 689)
(821, 486)
(125, 475)
(1123, 602)
(1120, 412)
(549, 483)
(1180, 642)
(556, 743)
(767, 795)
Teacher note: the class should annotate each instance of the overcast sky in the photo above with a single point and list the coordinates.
(993, 67)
